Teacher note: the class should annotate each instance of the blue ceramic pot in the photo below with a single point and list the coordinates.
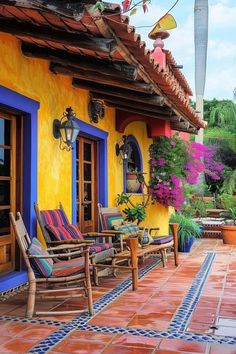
(187, 245)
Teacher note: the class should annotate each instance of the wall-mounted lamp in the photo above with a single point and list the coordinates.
(125, 149)
(96, 110)
(66, 129)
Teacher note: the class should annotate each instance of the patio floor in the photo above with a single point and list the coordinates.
(189, 309)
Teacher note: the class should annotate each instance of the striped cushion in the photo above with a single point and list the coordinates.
(70, 267)
(128, 229)
(54, 217)
(162, 240)
(112, 219)
(99, 247)
(42, 266)
(65, 232)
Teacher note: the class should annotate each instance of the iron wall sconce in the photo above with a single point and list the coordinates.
(125, 149)
(96, 110)
(66, 129)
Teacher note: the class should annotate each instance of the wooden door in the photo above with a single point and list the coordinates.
(86, 184)
(10, 187)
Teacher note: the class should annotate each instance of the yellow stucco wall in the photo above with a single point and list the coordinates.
(32, 78)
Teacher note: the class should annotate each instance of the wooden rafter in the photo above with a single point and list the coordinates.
(121, 93)
(116, 68)
(117, 101)
(75, 39)
(100, 78)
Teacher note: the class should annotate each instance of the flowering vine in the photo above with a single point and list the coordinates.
(173, 163)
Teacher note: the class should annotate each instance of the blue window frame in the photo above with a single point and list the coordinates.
(135, 162)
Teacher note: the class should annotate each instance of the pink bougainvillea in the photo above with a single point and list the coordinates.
(175, 162)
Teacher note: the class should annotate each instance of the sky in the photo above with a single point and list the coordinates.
(221, 59)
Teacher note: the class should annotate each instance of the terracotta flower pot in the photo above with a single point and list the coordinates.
(229, 234)
(132, 184)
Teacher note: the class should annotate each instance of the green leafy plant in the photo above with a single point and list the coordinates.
(225, 201)
(229, 216)
(187, 229)
(134, 212)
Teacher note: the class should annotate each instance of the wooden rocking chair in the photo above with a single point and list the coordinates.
(42, 269)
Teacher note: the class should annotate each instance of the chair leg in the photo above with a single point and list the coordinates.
(31, 298)
(88, 284)
(95, 272)
(163, 259)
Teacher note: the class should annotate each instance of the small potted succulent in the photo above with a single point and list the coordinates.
(228, 230)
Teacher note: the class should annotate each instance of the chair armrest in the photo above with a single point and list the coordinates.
(99, 234)
(68, 247)
(72, 241)
(112, 232)
(58, 255)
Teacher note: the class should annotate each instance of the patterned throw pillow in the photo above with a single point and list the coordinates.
(128, 229)
(43, 266)
(54, 217)
(111, 220)
(65, 232)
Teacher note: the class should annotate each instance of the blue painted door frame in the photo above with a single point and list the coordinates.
(28, 108)
(100, 136)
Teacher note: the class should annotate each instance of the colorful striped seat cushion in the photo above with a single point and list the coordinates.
(70, 267)
(162, 240)
(128, 229)
(99, 247)
(54, 217)
(42, 266)
(64, 232)
(112, 219)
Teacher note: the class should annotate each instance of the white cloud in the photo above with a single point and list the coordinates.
(222, 16)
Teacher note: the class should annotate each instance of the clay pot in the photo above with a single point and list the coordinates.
(132, 184)
(229, 234)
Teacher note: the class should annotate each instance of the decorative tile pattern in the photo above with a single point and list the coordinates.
(176, 329)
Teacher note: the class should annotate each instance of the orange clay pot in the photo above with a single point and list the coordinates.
(229, 234)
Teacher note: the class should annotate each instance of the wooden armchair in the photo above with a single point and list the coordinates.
(112, 221)
(63, 275)
(56, 230)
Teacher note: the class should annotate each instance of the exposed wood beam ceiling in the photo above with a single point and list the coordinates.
(99, 77)
(115, 69)
(46, 33)
(122, 93)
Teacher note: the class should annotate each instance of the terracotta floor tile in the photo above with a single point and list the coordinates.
(12, 328)
(135, 341)
(181, 345)
(18, 346)
(76, 346)
(126, 350)
(91, 336)
(37, 332)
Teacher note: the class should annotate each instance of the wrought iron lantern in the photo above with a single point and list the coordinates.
(125, 149)
(66, 129)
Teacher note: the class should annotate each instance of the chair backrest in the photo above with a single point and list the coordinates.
(109, 217)
(53, 217)
(22, 236)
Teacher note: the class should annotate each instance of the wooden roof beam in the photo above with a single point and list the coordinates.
(122, 93)
(134, 105)
(116, 69)
(100, 78)
(75, 39)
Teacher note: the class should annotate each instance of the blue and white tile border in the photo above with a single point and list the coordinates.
(176, 329)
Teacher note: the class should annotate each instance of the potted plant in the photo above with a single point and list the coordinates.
(228, 230)
(133, 212)
(188, 231)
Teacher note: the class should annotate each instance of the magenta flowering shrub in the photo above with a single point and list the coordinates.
(174, 162)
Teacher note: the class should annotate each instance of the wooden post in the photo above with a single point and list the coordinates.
(133, 244)
(174, 228)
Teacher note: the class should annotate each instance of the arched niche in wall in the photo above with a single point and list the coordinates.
(133, 164)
